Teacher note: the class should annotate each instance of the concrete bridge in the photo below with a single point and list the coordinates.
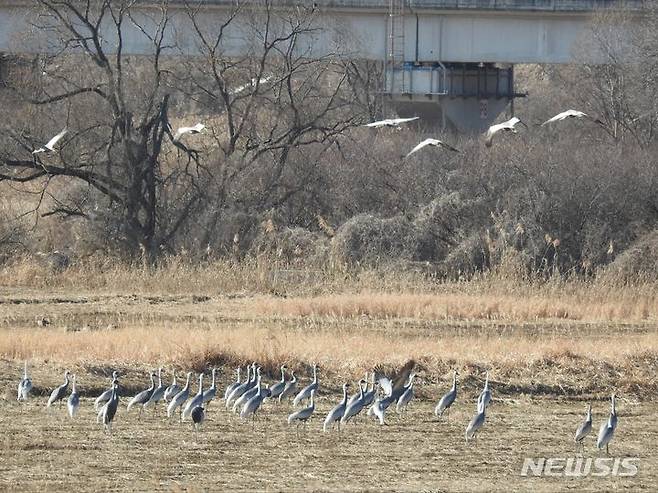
(447, 60)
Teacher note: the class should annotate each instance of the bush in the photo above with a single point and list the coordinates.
(639, 262)
(292, 246)
(368, 240)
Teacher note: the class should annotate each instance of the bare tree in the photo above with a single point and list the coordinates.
(621, 89)
(116, 113)
(273, 104)
(280, 105)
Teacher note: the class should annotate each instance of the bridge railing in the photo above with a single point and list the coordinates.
(526, 5)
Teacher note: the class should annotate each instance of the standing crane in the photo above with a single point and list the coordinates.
(277, 388)
(290, 387)
(369, 395)
(172, 390)
(198, 415)
(158, 393)
(305, 393)
(209, 394)
(448, 399)
(197, 400)
(337, 412)
(232, 386)
(584, 429)
(303, 415)
(485, 396)
(24, 385)
(142, 397)
(476, 423)
(107, 395)
(74, 401)
(607, 430)
(248, 394)
(179, 399)
(60, 392)
(243, 387)
(109, 410)
(252, 406)
(356, 406)
(407, 395)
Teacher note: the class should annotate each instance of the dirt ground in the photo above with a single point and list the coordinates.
(415, 452)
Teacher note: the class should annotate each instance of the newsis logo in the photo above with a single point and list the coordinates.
(576, 467)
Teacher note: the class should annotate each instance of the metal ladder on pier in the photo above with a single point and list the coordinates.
(396, 77)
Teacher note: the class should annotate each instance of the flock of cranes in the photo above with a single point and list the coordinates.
(245, 397)
(506, 126)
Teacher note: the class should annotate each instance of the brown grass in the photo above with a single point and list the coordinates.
(626, 306)
(345, 334)
(548, 346)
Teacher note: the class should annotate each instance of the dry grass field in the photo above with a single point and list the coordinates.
(549, 350)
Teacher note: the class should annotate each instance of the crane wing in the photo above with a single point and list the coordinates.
(56, 139)
(385, 384)
(379, 123)
(403, 375)
(398, 121)
(424, 143)
(447, 146)
(564, 115)
(490, 134)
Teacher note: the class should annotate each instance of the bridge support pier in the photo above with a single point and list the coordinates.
(466, 97)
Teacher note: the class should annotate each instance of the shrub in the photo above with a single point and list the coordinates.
(639, 262)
